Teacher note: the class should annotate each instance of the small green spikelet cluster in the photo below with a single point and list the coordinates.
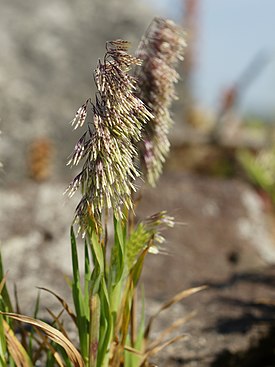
(108, 146)
(160, 49)
(148, 235)
(260, 168)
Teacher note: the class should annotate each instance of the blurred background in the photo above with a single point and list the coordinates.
(219, 179)
(49, 51)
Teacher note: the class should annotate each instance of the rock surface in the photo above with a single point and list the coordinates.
(226, 243)
(207, 246)
(49, 51)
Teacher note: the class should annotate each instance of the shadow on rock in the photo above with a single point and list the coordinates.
(266, 278)
(252, 313)
(259, 355)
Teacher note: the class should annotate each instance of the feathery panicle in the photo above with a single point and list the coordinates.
(155, 224)
(160, 49)
(107, 145)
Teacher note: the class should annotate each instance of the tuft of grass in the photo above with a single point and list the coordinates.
(104, 287)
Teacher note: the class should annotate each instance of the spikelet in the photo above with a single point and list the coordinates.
(148, 234)
(160, 49)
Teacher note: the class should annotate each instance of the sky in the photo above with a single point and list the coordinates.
(232, 33)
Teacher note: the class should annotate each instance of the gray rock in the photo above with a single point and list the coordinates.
(49, 50)
(205, 247)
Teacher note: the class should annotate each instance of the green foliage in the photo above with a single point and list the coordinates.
(104, 308)
(104, 288)
(81, 303)
(260, 169)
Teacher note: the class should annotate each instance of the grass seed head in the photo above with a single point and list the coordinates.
(160, 49)
(107, 146)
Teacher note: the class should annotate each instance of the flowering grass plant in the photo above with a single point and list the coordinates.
(130, 112)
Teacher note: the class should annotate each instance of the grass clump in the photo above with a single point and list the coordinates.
(129, 125)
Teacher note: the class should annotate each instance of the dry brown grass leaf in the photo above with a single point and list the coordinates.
(177, 298)
(52, 333)
(15, 348)
(64, 304)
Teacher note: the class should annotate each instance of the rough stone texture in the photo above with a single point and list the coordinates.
(212, 248)
(216, 216)
(207, 246)
(35, 221)
(49, 50)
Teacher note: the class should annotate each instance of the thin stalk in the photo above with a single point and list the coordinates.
(94, 329)
(133, 319)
